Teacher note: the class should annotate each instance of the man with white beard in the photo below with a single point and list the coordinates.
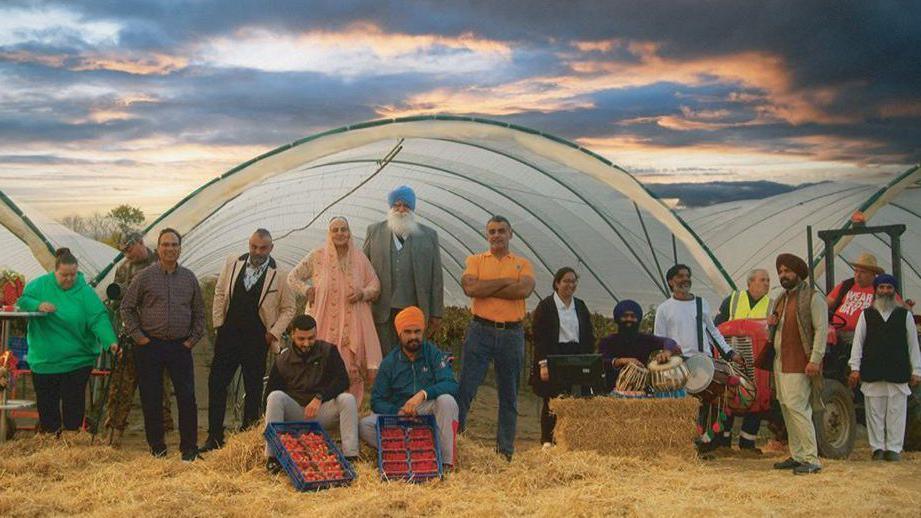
(407, 259)
(885, 359)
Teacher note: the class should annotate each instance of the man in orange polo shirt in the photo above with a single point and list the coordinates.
(498, 282)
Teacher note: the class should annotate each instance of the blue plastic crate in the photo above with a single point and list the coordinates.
(272, 432)
(20, 349)
(406, 423)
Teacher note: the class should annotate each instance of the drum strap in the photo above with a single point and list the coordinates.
(700, 322)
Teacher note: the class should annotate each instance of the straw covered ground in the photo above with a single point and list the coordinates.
(45, 476)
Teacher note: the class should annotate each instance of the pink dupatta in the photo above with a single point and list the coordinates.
(339, 322)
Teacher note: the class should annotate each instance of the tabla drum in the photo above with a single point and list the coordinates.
(707, 377)
(632, 379)
(669, 376)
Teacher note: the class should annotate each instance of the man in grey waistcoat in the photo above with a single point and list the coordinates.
(407, 259)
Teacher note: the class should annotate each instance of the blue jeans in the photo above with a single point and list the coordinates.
(505, 347)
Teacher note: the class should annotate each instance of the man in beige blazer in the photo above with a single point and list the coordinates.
(253, 306)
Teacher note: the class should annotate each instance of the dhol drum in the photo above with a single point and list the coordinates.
(632, 379)
(740, 391)
(707, 377)
(669, 376)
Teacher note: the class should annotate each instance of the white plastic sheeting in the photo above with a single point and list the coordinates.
(750, 234)
(16, 256)
(23, 224)
(568, 207)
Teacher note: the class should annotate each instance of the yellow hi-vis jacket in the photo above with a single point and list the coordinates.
(740, 306)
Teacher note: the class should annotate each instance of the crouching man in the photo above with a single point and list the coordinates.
(308, 383)
(415, 379)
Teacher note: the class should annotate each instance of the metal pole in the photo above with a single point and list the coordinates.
(896, 247)
(829, 266)
(674, 249)
(810, 256)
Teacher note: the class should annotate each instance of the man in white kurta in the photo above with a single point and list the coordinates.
(686, 319)
(885, 359)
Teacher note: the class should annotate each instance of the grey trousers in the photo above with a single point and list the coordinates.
(445, 410)
(342, 411)
(387, 334)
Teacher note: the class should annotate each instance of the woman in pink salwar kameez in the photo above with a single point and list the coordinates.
(340, 285)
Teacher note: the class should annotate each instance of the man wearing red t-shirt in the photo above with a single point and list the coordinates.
(852, 296)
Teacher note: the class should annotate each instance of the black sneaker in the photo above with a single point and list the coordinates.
(788, 464)
(191, 456)
(750, 450)
(878, 455)
(211, 444)
(273, 466)
(158, 452)
(807, 469)
(704, 448)
(892, 456)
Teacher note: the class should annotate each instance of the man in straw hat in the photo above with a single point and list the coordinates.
(798, 325)
(415, 379)
(885, 359)
(851, 296)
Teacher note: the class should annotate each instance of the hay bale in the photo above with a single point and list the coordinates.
(242, 452)
(627, 427)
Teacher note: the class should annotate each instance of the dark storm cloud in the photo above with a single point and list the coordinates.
(866, 52)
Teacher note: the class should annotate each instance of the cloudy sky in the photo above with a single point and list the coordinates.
(142, 101)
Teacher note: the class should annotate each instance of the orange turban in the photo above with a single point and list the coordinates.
(411, 316)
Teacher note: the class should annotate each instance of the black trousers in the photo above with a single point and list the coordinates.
(61, 397)
(547, 422)
(150, 361)
(234, 348)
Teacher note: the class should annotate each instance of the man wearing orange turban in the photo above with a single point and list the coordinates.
(415, 379)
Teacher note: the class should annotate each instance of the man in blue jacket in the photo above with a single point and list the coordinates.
(415, 379)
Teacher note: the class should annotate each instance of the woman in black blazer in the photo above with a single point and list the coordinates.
(573, 336)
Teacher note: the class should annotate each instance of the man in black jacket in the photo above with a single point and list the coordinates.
(308, 382)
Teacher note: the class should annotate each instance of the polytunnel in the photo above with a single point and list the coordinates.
(567, 205)
(749, 234)
(28, 240)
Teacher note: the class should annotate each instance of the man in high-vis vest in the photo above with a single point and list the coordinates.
(750, 303)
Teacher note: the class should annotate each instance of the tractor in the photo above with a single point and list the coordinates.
(836, 425)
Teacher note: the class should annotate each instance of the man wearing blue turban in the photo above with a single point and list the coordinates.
(885, 360)
(407, 259)
(628, 345)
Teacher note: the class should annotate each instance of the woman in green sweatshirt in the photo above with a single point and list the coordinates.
(64, 344)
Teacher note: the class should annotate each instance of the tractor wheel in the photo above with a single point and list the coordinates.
(836, 427)
(10, 427)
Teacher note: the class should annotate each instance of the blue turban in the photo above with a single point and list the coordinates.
(885, 278)
(405, 194)
(625, 306)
